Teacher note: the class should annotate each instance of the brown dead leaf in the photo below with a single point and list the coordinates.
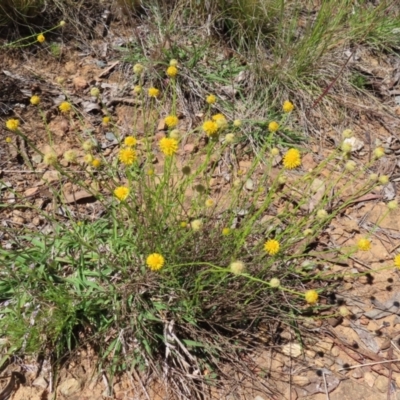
(76, 196)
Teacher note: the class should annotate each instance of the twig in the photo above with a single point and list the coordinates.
(373, 363)
(390, 355)
(326, 386)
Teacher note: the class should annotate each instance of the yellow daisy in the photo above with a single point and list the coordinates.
(155, 261)
(168, 146)
(292, 159)
(127, 156)
(272, 247)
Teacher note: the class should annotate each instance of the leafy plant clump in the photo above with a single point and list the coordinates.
(189, 243)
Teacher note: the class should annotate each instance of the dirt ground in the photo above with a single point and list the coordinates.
(346, 359)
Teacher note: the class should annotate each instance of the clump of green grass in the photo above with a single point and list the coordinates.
(187, 248)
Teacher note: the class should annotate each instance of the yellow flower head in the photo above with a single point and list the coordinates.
(95, 92)
(50, 158)
(311, 296)
(8, 139)
(364, 244)
(384, 179)
(211, 99)
(217, 117)
(137, 89)
(237, 123)
(237, 267)
(273, 126)
(209, 202)
(41, 38)
(62, 23)
(88, 158)
(35, 100)
(226, 231)
(172, 71)
(379, 152)
(322, 214)
(171, 121)
(121, 193)
(155, 261)
(210, 128)
(292, 159)
(287, 106)
(274, 152)
(197, 225)
(271, 246)
(138, 69)
(373, 177)
(65, 107)
(274, 283)
(168, 146)
(96, 163)
(105, 120)
(127, 156)
(130, 141)
(70, 156)
(153, 92)
(396, 261)
(12, 124)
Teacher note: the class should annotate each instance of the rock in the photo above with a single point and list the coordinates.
(50, 176)
(292, 349)
(190, 148)
(385, 344)
(162, 126)
(37, 158)
(80, 83)
(357, 373)
(31, 191)
(40, 382)
(70, 387)
(300, 380)
(335, 351)
(369, 379)
(381, 383)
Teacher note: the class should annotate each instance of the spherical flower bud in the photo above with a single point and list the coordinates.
(282, 179)
(229, 138)
(96, 163)
(95, 92)
(274, 151)
(41, 38)
(70, 156)
(8, 139)
(209, 203)
(173, 63)
(183, 224)
(221, 123)
(237, 267)
(307, 232)
(88, 158)
(62, 23)
(274, 283)
(226, 231)
(384, 179)
(350, 166)
(175, 134)
(344, 311)
(373, 177)
(379, 152)
(347, 133)
(322, 214)
(138, 69)
(50, 158)
(88, 145)
(137, 89)
(346, 147)
(196, 225)
(273, 126)
(392, 205)
(237, 123)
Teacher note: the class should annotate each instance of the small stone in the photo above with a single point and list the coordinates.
(385, 344)
(40, 382)
(364, 320)
(345, 322)
(249, 185)
(357, 373)
(334, 321)
(37, 158)
(300, 380)
(50, 176)
(398, 381)
(70, 387)
(162, 126)
(369, 379)
(335, 351)
(311, 353)
(292, 349)
(381, 383)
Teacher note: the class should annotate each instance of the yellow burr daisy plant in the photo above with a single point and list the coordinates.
(364, 244)
(130, 141)
(127, 156)
(155, 261)
(272, 247)
(12, 124)
(40, 38)
(121, 193)
(35, 100)
(273, 126)
(172, 71)
(287, 106)
(292, 159)
(211, 99)
(65, 107)
(168, 146)
(311, 296)
(153, 92)
(210, 128)
(171, 121)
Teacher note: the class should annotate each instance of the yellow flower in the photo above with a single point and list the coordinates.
(50, 158)
(396, 261)
(384, 179)
(171, 121)
(379, 152)
(153, 92)
(196, 224)
(237, 122)
(12, 124)
(271, 246)
(172, 71)
(216, 117)
(8, 139)
(95, 92)
(311, 296)
(88, 158)
(150, 172)
(35, 100)
(168, 146)
(62, 23)
(292, 159)
(226, 231)
(373, 177)
(287, 106)
(237, 267)
(137, 89)
(41, 38)
(121, 193)
(210, 128)
(65, 107)
(364, 244)
(274, 283)
(127, 156)
(96, 163)
(155, 261)
(70, 156)
(211, 99)
(209, 202)
(273, 126)
(105, 120)
(130, 141)
(138, 69)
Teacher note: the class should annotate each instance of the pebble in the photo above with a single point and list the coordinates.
(357, 373)
(335, 351)
(70, 387)
(300, 380)
(381, 383)
(369, 379)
